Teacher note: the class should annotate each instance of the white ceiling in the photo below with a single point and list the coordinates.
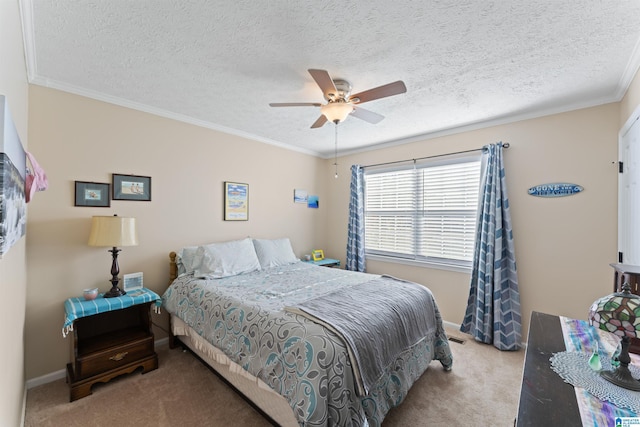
(220, 63)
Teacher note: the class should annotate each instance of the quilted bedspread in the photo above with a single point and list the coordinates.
(305, 362)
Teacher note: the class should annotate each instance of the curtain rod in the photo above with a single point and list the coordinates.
(505, 145)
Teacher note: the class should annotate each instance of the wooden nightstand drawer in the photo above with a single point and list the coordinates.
(113, 357)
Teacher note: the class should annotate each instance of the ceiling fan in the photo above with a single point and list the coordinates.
(340, 102)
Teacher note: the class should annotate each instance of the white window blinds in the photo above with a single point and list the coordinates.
(425, 212)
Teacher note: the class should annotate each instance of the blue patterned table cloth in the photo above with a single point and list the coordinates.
(77, 307)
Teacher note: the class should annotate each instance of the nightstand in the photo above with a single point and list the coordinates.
(111, 337)
(327, 262)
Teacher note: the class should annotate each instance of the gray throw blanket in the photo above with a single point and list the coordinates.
(378, 320)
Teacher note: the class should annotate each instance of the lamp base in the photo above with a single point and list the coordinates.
(621, 376)
(115, 291)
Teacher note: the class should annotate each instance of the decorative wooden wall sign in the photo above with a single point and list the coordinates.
(555, 189)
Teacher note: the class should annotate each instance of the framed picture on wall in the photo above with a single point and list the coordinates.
(236, 201)
(131, 187)
(300, 196)
(94, 194)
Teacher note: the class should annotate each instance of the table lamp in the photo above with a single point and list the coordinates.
(113, 231)
(619, 313)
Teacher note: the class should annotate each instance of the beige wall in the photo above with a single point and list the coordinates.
(76, 138)
(563, 245)
(13, 272)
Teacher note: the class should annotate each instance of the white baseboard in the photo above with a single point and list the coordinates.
(24, 407)
(62, 373)
(451, 325)
(47, 378)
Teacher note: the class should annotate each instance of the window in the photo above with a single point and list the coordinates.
(424, 212)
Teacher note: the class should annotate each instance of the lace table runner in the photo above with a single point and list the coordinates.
(599, 401)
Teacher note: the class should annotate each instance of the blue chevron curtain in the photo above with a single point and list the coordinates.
(355, 231)
(493, 308)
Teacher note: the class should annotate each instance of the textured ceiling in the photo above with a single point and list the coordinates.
(220, 63)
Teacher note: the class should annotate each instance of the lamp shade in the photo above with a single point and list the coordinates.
(113, 231)
(336, 111)
(618, 313)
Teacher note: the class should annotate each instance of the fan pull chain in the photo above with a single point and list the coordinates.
(335, 153)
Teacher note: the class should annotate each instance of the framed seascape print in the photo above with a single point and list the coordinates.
(236, 201)
(131, 187)
(95, 194)
(300, 196)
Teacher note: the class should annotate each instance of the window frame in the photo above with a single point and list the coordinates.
(414, 259)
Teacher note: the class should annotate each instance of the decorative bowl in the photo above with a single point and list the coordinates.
(90, 294)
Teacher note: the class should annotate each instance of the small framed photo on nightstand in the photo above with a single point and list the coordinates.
(132, 282)
(317, 254)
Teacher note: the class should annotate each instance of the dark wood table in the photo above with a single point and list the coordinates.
(545, 399)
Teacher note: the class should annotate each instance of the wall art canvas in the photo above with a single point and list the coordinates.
(313, 202)
(236, 201)
(300, 196)
(13, 206)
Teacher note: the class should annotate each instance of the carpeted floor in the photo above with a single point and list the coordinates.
(481, 390)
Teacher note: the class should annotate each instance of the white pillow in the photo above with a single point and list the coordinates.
(219, 260)
(188, 258)
(273, 253)
(185, 259)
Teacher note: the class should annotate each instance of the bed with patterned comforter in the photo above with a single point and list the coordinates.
(249, 318)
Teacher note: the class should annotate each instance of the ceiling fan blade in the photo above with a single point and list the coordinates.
(295, 104)
(390, 89)
(366, 115)
(323, 79)
(320, 122)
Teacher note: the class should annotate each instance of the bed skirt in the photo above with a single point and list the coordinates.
(270, 402)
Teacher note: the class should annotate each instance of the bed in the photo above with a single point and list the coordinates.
(308, 345)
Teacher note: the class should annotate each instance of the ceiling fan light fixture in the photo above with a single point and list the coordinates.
(340, 102)
(336, 112)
